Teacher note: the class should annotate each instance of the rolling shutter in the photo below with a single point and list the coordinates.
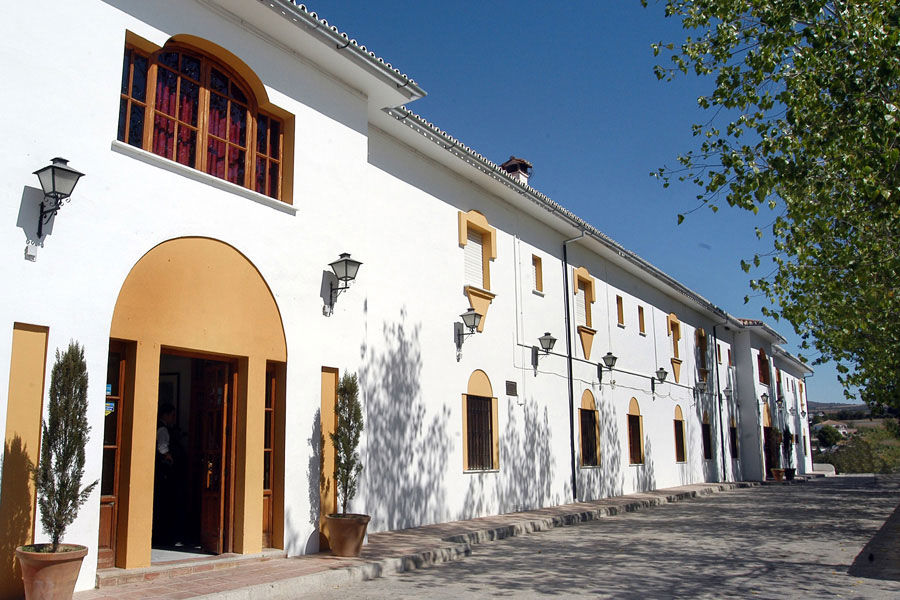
(474, 260)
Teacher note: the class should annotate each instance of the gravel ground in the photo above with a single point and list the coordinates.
(777, 541)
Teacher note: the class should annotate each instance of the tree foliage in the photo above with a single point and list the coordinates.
(806, 121)
(349, 427)
(828, 436)
(57, 477)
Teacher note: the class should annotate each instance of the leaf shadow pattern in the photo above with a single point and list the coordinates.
(610, 472)
(524, 480)
(16, 513)
(645, 475)
(407, 446)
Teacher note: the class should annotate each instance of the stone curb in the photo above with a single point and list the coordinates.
(459, 546)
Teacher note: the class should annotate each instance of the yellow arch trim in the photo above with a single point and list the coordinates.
(587, 401)
(678, 414)
(767, 416)
(479, 385)
(634, 408)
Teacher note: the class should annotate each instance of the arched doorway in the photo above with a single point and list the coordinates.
(195, 309)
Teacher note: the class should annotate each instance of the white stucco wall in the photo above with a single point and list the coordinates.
(356, 189)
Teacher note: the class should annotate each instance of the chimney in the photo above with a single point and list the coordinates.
(518, 168)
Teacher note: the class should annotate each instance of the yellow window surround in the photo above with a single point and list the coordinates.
(673, 326)
(583, 282)
(479, 298)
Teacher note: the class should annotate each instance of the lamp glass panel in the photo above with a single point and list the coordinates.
(45, 176)
(471, 319)
(65, 180)
(610, 360)
(661, 375)
(547, 341)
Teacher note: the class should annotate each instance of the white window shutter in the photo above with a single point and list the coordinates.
(580, 312)
(474, 260)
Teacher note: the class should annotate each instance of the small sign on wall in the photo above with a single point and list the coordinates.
(512, 388)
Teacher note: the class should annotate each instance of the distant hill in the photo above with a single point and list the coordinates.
(834, 407)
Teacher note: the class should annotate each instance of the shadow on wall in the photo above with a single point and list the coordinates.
(15, 515)
(645, 476)
(611, 454)
(406, 448)
(525, 478)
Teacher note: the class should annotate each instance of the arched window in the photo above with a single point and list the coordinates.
(635, 433)
(590, 431)
(680, 450)
(734, 439)
(706, 430)
(480, 452)
(185, 105)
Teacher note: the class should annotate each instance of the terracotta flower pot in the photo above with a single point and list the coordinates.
(50, 575)
(346, 533)
(778, 474)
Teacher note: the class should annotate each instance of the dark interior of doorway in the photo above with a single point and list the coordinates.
(180, 503)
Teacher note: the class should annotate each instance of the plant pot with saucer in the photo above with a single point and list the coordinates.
(50, 570)
(347, 530)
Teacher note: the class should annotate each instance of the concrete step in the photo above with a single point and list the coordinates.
(115, 576)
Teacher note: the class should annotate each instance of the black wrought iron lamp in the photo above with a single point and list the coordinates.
(609, 361)
(58, 180)
(547, 341)
(661, 375)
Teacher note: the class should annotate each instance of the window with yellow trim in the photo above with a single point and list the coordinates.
(641, 327)
(706, 435)
(680, 449)
(480, 452)
(620, 311)
(537, 273)
(701, 354)
(479, 242)
(734, 439)
(185, 105)
(762, 365)
(589, 431)
(635, 434)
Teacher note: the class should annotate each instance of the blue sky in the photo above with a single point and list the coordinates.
(570, 87)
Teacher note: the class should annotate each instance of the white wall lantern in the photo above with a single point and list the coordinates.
(470, 320)
(345, 269)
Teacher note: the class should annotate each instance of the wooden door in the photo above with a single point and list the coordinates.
(215, 405)
(112, 431)
(269, 457)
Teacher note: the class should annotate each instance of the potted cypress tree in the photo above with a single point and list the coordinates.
(50, 570)
(347, 529)
(787, 444)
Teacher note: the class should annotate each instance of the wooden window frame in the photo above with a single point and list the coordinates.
(762, 365)
(620, 311)
(480, 387)
(203, 137)
(706, 437)
(680, 444)
(635, 430)
(702, 350)
(733, 436)
(588, 449)
(641, 325)
(537, 268)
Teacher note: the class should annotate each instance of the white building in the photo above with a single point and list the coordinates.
(242, 148)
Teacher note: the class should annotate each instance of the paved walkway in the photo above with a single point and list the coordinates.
(386, 553)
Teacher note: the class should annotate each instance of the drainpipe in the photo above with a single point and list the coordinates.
(719, 403)
(569, 377)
